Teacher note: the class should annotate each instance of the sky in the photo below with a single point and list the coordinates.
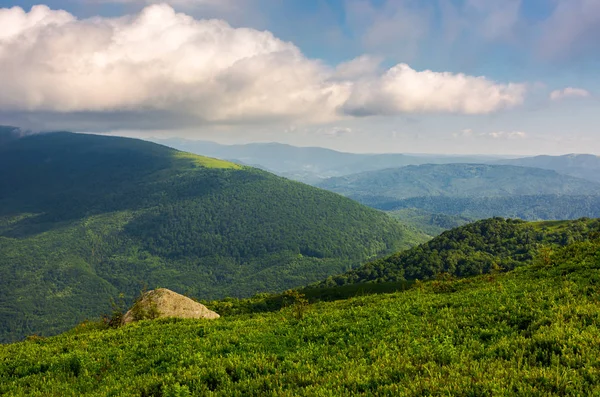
(517, 77)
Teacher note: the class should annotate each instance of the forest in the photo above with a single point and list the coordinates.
(84, 218)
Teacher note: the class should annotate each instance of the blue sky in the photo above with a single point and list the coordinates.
(517, 76)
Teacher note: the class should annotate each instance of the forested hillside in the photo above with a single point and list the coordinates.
(456, 180)
(536, 207)
(84, 218)
(534, 331)
(490, 245)
(585, 166)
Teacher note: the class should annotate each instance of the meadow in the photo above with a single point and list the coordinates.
(531, 331)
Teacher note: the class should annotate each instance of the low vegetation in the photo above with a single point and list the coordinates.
(532, 331)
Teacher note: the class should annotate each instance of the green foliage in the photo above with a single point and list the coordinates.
(298, 303)
(532, 331)
(84, 217)
(477, 248)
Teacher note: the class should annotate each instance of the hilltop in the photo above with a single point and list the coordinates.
(490, 245)
(86, 217)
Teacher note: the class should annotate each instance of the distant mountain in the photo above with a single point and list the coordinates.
(85, 217)
(585, 166)
(432, 223)
(456, 180)
(535, 207)
(310, 164)
(8, 134)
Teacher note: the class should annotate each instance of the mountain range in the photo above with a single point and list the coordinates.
(310, 164)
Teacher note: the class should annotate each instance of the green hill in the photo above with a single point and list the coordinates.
(531, 332)
(456, 180)
(84, 218)
(482, 247)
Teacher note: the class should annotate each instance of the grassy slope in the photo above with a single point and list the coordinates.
(533, 331)
(83, 218)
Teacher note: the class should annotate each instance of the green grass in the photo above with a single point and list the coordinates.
(534, 331)
(206, 162)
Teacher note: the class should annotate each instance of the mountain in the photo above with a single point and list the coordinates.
(309, 164)
(531, 332)
(456, 180)
(429, 222)
(536, 207)
(585, 166)
(85, 217)
(482, 247)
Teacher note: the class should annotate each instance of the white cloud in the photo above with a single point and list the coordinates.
(358, 68)
(405, 90)
(160, 63)
(507, 135)
(176, 3)
(569, 92)
(465, 133)
(469, 133)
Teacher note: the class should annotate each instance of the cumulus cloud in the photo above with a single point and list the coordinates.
(160, 62)
(404, 90)
(569, 92)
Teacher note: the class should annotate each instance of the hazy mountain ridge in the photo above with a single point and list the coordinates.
(310, 164)
(457, 180)
(585, 166)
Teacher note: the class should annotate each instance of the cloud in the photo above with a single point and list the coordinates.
(405, 90)
(358, 68)
(572, 30)
(175, 3)
(394, 27)
(569, 92)
(507, 135)
(163, 65)
(465, 133)
(469, 133)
